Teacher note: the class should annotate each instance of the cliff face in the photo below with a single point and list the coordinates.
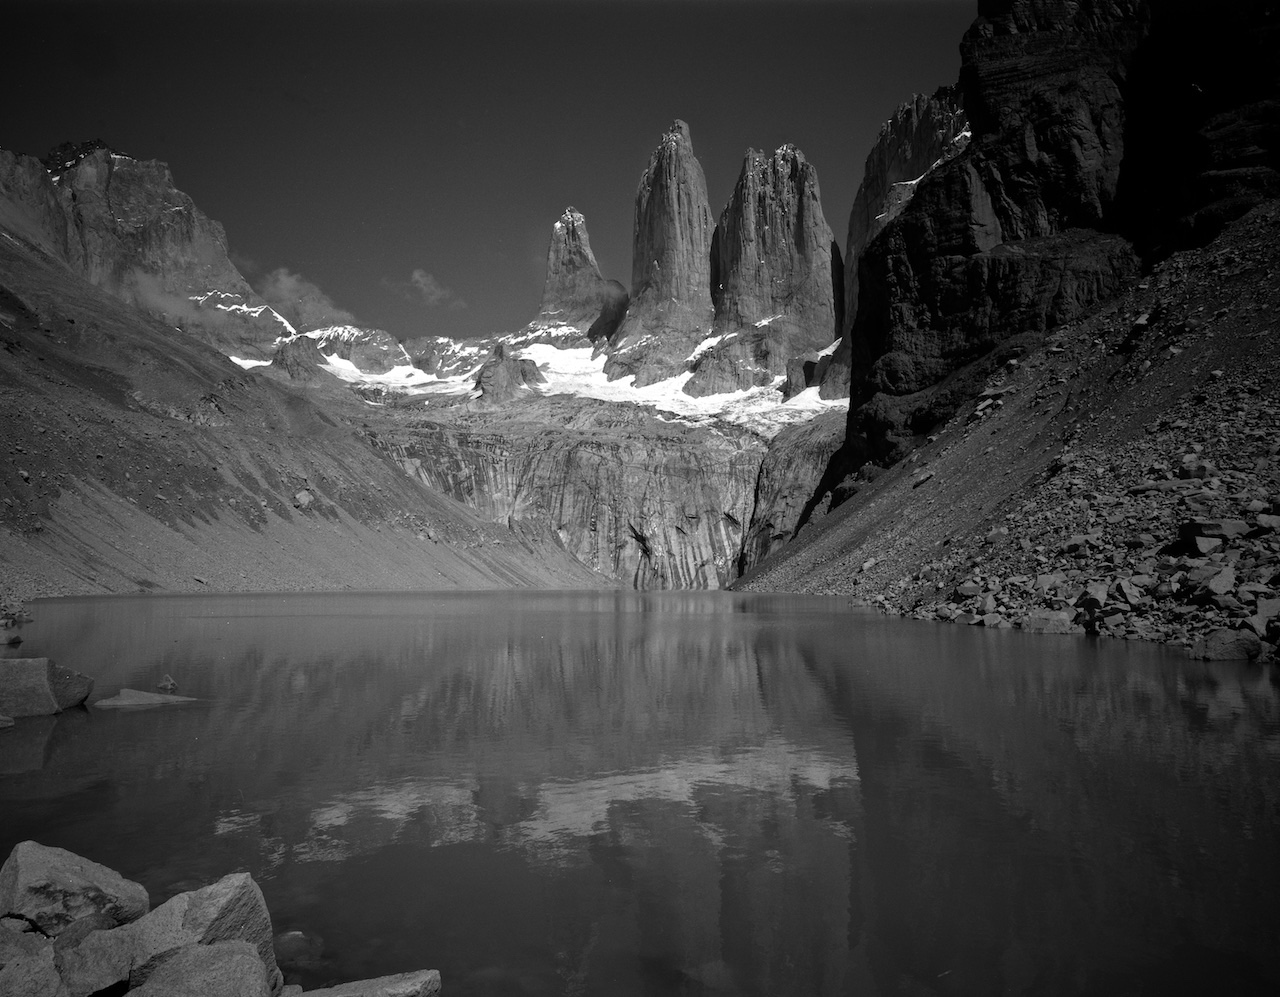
(652, 503)
(771, 275)
(789, 474)
(923, 133)
(125, 227)
(1008, 236)
(670, 310)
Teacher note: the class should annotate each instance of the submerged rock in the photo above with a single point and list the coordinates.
(423, 983)
(140, 699)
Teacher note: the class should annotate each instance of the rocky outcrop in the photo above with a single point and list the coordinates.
(299, 357)
(670, 310)
(1009, 235)
(574, 293)
(771, 276)
(372, 350)
(653, 503)
(504, 377)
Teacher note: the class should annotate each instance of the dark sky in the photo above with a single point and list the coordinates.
(411, 157)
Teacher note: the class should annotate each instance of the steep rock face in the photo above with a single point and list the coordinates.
(141, 239)
(771, 275)
(29, 205)
(1043, 84)
(923, 133)
(1008, 235)
(574, 291)
(670, 310)
(653, 504)
(789, 475)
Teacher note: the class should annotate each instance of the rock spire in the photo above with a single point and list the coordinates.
(773, 285)
(670, 310)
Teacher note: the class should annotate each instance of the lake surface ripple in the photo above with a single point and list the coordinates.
(625, 793)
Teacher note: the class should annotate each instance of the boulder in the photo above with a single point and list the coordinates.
(232, 909)
(423, 983)
(139, 699)
(5, 721)
(16, 942)
(33, 687)
(33, 975)
(223, 969)
(1227, 645)
(1049, 621)
(56, 888)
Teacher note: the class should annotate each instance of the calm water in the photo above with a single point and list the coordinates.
(691, 794)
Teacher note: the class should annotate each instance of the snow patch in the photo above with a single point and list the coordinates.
(248, 364)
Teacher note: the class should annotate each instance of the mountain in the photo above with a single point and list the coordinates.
(923, 133)
(123, 225)
(774, 276)
(574, 293)
(1050, 411)
(670, 310)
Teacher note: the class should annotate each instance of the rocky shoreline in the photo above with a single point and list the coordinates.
(70, 927)
(1118, 476)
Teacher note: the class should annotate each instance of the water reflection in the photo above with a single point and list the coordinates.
(667, 793)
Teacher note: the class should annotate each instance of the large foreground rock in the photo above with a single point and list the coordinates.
(56, 888)
(232, 909)
(424, 983)
(36, 687)
(34, 975)
(224, 969)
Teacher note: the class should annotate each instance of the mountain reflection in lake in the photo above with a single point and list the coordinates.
(632, 793)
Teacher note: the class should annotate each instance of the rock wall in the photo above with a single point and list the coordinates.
(655, 504)
(1010, 235)
(923, 133)
(670, 310)
(771, 275)
(122, 224)
(789, 474)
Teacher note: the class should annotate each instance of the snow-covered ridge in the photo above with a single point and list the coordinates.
(442, 370)
(227, 302)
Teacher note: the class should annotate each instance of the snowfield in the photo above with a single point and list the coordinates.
(574, 371)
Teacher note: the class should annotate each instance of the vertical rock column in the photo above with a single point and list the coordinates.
(771, 275)
(670, 310)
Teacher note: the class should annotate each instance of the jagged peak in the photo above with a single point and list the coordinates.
(678, 130)
(68, 155)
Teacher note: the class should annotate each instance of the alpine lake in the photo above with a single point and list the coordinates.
(672, 793)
